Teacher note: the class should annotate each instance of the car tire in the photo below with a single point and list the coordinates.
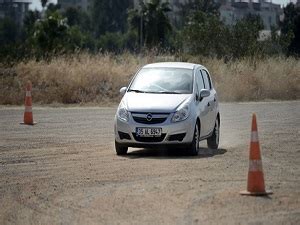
(194, 147)
(213, 140)
(120, 150)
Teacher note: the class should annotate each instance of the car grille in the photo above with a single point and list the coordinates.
(145, 121)
(150, 118)
(149, 139)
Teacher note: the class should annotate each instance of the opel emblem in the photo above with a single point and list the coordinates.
(149, 117)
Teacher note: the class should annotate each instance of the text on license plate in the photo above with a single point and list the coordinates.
(148, 132)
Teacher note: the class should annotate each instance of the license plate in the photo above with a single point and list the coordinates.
(148, 132)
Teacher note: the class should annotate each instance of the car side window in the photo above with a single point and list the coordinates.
(199, 81)
(207, 82)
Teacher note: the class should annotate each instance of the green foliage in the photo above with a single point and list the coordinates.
(206, 6)
(76, 39)
(109, 16)
(191, 6)
(30, 20)
(8, 32)
(290, 29)
(44, 3)
(52, 35)
(272, 46)
(205, 35)
(51, 8)
(118, 42)
(78, 17)
(209, 7)
(131, 40)
(8, 39)
(244, 37)
(112, 42)
(151, 23)
(113, 26)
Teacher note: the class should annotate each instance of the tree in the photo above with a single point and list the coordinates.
(51, 8)
(8, 32)
(205, 35)
(206, 6)
(244, 36)
(290, 28)
(51, 35)
(190, 7)
(77, 17)
(203, 31)
(112, 42)
(44, 3)
(29, 21)
(109, 15)
(151, 22)
(8, 39)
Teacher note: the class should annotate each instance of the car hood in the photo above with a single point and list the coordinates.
(147, 102)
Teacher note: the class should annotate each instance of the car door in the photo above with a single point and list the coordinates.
(211, 101)
(201, 105)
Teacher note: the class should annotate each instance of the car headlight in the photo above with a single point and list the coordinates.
(181, 114)
(123, 113)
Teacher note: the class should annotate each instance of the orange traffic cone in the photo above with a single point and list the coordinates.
(28, 118)
(256, 183)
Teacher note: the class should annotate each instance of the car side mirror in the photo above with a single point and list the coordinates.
(123, 90)
(204, 93)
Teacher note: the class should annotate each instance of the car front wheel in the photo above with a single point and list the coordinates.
(194, 147)
(213, 140)
(120, 150)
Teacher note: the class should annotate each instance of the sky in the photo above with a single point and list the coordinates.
(36, 4)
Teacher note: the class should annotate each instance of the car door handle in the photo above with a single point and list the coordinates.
(208, 104)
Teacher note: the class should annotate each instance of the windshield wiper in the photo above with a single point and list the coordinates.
(168, 92)
(137, 91)
(154, 92)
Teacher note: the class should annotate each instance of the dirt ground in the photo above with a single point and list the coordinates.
(64, 171)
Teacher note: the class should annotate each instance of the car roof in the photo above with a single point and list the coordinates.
(183, 65)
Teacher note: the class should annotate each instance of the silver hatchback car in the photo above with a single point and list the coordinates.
(168, 104)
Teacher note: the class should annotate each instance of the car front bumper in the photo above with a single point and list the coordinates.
(179, 133)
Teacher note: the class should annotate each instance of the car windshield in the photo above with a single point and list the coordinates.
(163, 80)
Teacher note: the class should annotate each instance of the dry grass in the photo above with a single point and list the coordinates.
(88, 78)
(246, 80)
